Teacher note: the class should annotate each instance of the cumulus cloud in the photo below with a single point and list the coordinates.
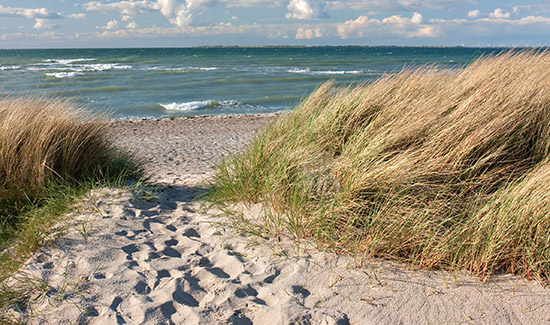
(499, 14)
(41, 16)
(417, 18)
(252, 3)
(474, 13)
(396, 25)
(178, 13)
(395, 5)
(309, 33)
(111, 24)
(306, 9)
(354, 27)
(126, 8)
(43, 24)
(77, 16)
(38, 13)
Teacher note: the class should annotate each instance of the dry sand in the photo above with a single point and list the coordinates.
(153, 257)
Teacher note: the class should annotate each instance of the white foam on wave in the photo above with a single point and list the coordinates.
(188, 106)
(9, 67)
(327, 72)
(102, 67)
(184, 69)
(67, 65)
(193, 105)
(61, 75)
(68, 61)
(307, 70)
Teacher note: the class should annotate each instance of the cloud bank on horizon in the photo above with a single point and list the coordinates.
(135, 23)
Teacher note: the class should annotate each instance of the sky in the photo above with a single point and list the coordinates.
(186, 23)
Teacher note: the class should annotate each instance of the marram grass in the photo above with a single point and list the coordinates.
(51, 153)
(47, 141)
(442, 169)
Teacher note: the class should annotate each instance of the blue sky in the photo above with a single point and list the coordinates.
(183, 23)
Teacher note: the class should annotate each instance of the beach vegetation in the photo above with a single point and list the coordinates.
(439, 168)
(51, 153)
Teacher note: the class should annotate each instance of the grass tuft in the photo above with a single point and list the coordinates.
(51, 153)
(442, 169)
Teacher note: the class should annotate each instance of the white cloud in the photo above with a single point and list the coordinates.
(499, 14)
(393, 25)
(395, 5)
(252, 3)
(474, 13)
(306, 9)
(309, 33)
(416, 18)
(269, 31)
(43, 24)
(425, 31)
(77, 16)
(177, 13)
(111, 24)
(41, 13)
(357, 26)
(126, 8)
(131, 25)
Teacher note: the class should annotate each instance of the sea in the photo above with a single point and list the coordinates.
(148, 83)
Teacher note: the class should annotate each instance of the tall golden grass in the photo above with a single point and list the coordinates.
(441, 168)
(45, 141)
(51, 152)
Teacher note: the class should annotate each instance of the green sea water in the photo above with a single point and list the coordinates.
(165, 82)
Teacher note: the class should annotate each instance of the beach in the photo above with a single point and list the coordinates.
(152, 254)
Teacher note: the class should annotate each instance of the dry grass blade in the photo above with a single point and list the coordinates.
(440, 168)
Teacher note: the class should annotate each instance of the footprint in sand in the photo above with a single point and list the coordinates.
(142, 288)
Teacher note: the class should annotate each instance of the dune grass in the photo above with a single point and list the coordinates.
(51, 153)
(438, 168)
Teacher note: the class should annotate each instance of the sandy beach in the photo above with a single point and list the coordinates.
(153, 255)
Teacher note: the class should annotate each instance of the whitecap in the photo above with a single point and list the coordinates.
(189, 106)
(338, 72)
(193, 105)
(102, 67)
(9, 67)
(61, 75)
(327, 72)
(68, 61)
(306, 70)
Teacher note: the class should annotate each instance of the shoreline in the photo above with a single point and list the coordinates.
(152, 255)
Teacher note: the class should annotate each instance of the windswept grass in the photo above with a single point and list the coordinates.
(442, 169)
(51, 153)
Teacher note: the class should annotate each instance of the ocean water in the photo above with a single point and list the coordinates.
(166, 82)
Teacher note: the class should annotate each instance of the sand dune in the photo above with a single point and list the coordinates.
(153, 257)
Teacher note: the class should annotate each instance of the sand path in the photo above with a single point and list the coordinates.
(152, 257)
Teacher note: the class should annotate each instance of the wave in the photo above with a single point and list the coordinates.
(79, 67)
(9, 67)
(103, 67)
(178, 69)
(193, 105)
(68, 61)
(62, 75)
(327, 72)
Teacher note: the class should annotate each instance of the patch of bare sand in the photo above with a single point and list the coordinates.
(154, 258)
